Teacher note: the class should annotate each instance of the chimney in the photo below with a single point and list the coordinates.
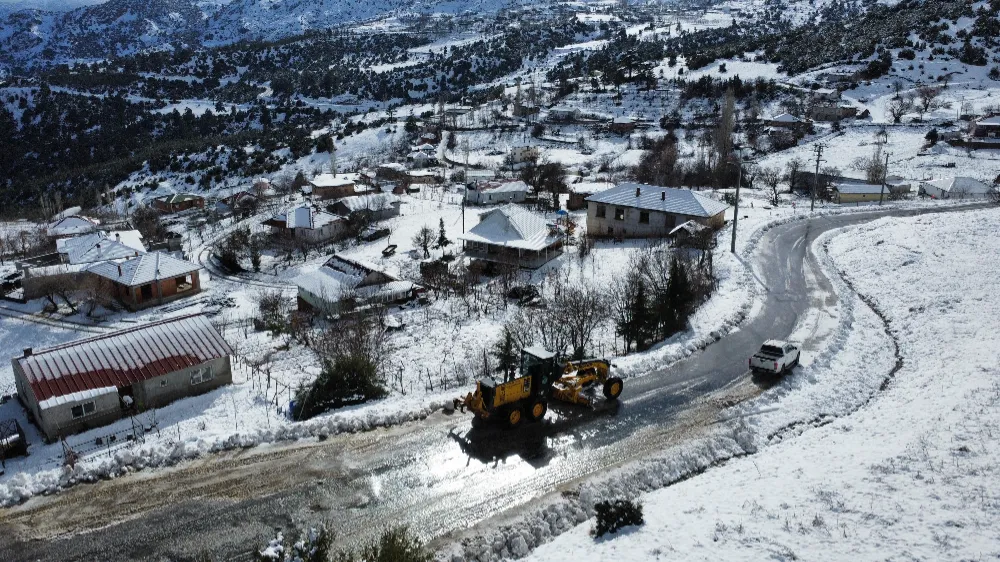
(638, 191)
(119, 270)
(663, 196)
(118, 236)
(27, 352)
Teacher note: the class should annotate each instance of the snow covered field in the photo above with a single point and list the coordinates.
(911, 474)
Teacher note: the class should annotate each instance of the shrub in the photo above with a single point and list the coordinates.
(395, 545)
(612, 516)
(346, 380)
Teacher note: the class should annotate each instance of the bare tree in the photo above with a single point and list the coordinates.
(927, 99)
(792, 170)
(771, 178)
(994, 195)
(900, 107)
(98, 292)
(423, 239)
(580, 309)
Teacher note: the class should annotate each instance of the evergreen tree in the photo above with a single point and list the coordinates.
(442, 240)
(505, 352)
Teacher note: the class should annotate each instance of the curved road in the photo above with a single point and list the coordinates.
(437, 475)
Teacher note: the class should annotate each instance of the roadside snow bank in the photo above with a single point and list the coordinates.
(912, 473)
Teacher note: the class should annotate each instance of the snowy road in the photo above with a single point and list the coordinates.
(432, 475)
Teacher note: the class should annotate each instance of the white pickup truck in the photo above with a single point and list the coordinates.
(775, 357)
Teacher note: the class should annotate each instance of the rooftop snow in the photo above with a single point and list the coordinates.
(144, 269)
(101, 246)
(76, 397)
(122, 358)
(72, 225)
(677, 201)
(329, 180)
(966, 185)
(371, 202)
(858, 188)
(514, 227)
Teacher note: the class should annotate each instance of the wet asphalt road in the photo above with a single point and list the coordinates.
(437, 476)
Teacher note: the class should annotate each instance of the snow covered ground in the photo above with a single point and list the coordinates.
(909, 475)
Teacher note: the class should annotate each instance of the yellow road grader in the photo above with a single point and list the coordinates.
(526, 397)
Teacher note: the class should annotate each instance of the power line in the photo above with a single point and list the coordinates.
(819, 158)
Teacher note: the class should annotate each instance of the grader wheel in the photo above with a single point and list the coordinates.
(514, 417)
(538, 410)
(613, 388)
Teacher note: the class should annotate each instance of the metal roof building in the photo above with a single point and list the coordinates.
(85, 383)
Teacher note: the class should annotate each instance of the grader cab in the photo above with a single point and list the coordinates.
(541, 378)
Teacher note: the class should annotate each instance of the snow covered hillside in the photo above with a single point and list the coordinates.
(910, 475)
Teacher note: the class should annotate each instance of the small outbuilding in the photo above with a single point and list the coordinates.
(843, 193)
(377, 206)
(92, 382)
(955, 188)
(331, 186)
(307, 224)
(72, 225)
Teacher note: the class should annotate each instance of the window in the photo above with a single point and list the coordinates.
(602, 211)
(619, 214)
(81, 410)
(644, 217)
(185, 283)
(611, 230)
(146, 291)
(163, 382)
(202, 374)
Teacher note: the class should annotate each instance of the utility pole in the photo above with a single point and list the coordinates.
(819, 155)
(736, 206)
(885, 179)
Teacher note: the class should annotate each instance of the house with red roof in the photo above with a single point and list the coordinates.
(92, 382)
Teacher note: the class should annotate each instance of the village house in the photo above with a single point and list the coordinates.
(376, 206)
(92, 382)
(472, 176)
(786, 121)
(390, 172)
(178, 202)
(563, 113)
(580, 191)
(634, 210)
(522, 152)
(421, 159)
(306, 224)
(330, 186)
(261, 187)
(342, 283)
(832, 112)
(65, 270)
(430, 137)
(71, 226)
(988, 128)
(241, 203)
(513, 235)
(955, 188)
(622, 125)
(422, 177)
(843, 193)
(494, 192)
(149, 279)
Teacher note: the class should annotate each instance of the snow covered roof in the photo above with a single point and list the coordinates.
(101, 246)
(590, 186)
(989, 121)
(959, 185)
(74, 397)
(72, 225)
(691, 227)
(305, 216)
(67, 213)
(395, 166)
(417, 155)
(858, 188)
(623, 120)
(370, 202)
(144, 269)
(122, 358)
(514, 227)
(179, 198)
(786, 118)
(426, 146)
(665, 199)
(563, 109)
(504, 187)
(329, 180)
(341, 276)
